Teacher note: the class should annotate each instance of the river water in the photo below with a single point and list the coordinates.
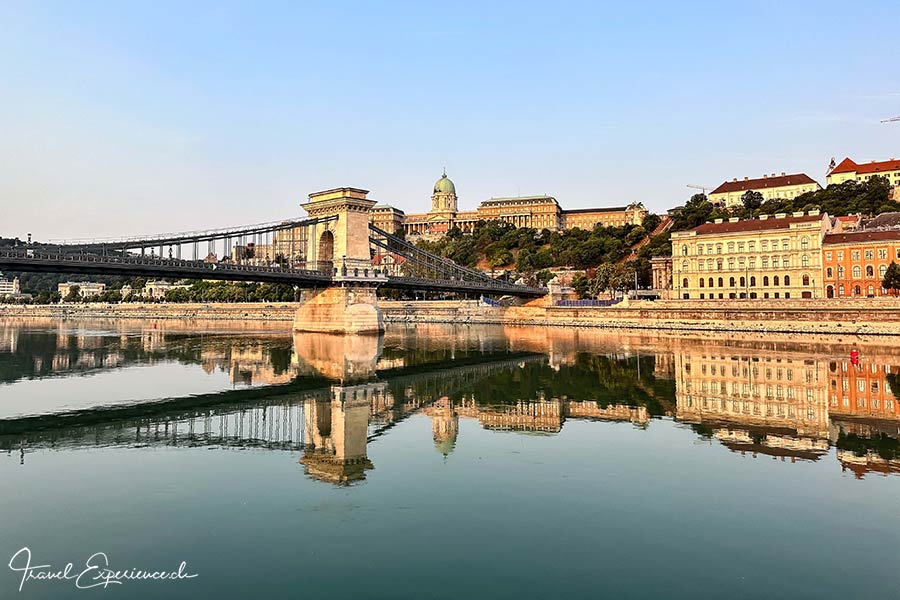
(446, 462)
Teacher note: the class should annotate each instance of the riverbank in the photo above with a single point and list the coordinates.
(785, 316)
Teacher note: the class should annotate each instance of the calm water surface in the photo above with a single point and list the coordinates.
(442, 462)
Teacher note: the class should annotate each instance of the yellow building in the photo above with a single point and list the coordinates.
(86, 289)
(848, 170)
(619, 216)
(770, 186)
(776, 256)
(539, 212)
(387, 218)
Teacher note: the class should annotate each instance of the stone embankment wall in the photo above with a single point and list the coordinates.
(785, 316)
(808, 316)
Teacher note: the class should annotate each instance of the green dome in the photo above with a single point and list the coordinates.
(444, 185)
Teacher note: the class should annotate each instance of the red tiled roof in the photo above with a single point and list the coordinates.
(763, 183)
(848, 166)
(859, 237)
(754, 224)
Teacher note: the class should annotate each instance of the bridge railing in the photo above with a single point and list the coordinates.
(69, 257)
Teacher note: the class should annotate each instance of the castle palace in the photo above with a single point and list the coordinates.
(538, 212)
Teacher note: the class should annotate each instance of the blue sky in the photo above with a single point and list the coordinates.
(134, 117)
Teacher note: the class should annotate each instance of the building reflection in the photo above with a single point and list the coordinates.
(327, 399)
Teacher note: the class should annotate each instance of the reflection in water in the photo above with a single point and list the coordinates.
(327, 398)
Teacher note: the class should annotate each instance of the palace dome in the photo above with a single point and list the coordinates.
(444, 185)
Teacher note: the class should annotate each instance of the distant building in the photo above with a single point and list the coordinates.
(87, 289)
(538, 212)
(776, 256)
(9, 287)
(661, 270)
(389, 263)
(771, 187)
(847, 170)
(157, 289)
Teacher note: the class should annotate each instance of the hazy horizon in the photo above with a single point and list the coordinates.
(158, 117)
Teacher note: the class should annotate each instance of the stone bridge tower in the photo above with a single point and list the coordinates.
(341, 246)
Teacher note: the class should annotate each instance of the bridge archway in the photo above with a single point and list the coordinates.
(326, 249)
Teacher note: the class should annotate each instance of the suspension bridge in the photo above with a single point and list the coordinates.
(335, 249)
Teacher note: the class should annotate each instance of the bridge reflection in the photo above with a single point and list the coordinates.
(328, 398)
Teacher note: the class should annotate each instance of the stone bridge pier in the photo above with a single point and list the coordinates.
(349, 305)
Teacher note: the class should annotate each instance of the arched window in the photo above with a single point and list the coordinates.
(701, 282)
(787, 280)
(806, 280)
(829, 291)
(871, 291)
(857, 272)
(743, 282)
(870, 271)
(753, 281)
(775, 280)
(684, 250)
(684, 283)
(829, 272)
(710, 282)
(857, 290)
(804, 261)
(804, 243)
(721, 282)
(684, 266)
(882, 270)
(766, 280)
(731, 282)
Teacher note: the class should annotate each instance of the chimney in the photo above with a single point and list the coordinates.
(735, 179)
(765, 176)
(773, 174)
(745, 179)
(782, 173)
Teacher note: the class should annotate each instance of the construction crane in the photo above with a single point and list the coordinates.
(891, 120)
(702, 187)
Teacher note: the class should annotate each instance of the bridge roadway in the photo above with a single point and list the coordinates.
(78, 262)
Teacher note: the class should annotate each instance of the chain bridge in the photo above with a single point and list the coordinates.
(336, 255)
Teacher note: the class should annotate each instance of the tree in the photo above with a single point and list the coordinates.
(752, 200)
(892, 278)
(74, 294)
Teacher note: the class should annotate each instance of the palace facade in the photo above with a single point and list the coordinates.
(538, 212)
(855, 262)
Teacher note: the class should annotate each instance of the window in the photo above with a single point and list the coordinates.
(785, 244)
(699, 248)
(743, 282)
(870, 271)
(710, 283)
(775, 281)
(854, 255)
(765, 262)
(840, 271)
(731, 282)
(882, 253)
(740, 246)
(766, 282)
(721, 284)
(719, 264)
(752, 263)
(701, 282)
(775, 262)
(684, 250)
(828, 255)
(751, 246)
(731, 264)
(806, 280)
(730, 247)
(870, 291)
(804, 243)
(804, 261)
(870, 254)
(764, 245)
(700, 265)
(684, 283)
(684, 266)
(840, 255)
(882, 270)
(857, 272)
(752, 281)
(787, 280)
(829, 272)
(840, 290)
(718, 248)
